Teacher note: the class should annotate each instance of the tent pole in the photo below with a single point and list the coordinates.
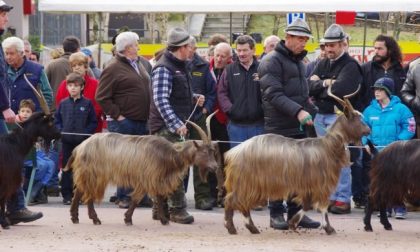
(100, 39)
(230, 28)
(364, 38)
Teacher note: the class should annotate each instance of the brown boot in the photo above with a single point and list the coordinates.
(180, 215)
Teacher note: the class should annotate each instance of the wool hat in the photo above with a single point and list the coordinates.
(334, 33)
(299, 28)
(5, 7)
(386, 84)
(86, 51)
(178, 37)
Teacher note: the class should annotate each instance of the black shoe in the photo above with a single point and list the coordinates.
(53, 191)
(66, 201)
(125, 203)
(23, 215)
(307, 222)
(181, 216)
(204, 204)
(278, 222)
(113, 198)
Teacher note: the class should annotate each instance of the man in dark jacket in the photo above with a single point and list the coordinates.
(385, 63)
(239, 93)
(285, 97)
(343, 73)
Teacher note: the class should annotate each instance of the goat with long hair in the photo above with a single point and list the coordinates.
(148, 164)
(16, 145)
(395, 178)
(275, 167)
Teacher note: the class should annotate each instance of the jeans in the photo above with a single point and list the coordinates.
(343, 191)
(18, 201)
(128, 127)
(241, 132)
(359, 175)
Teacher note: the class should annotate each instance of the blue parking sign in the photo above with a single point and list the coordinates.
(293, 16)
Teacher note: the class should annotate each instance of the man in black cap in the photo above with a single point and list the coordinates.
(285, 95)
(171, 106)
(16, 210)
(343, 73)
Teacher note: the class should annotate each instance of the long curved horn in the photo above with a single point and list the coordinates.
(41, 98)
(200, 132)
(343, 103)
(208, 123)
(347, 98)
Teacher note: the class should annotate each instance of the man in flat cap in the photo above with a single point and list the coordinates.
(16, 210)
(172, 103)
(344, 74)
(285, 95)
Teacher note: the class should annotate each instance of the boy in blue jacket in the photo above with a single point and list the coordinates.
(389, 121)
(75, 114)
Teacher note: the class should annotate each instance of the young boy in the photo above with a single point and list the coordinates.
(389, 121)
(75, 114)
(44, 165)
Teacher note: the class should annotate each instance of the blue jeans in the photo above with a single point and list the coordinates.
(53, 154)
(343, 191)
(18, 202)
(128, 127)
(242, 132)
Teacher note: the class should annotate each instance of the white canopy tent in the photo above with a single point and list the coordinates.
(218, 6)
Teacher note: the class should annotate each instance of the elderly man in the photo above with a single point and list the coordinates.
(16, 210)
(344, 74)
(285, 95)
(124, 95)
(270, 43)
(173, 102)
(20, 71)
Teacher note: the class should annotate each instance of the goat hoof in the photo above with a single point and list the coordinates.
(5, 226)
(330, 231)
(368, 229)
(388, 227)
(75, 220)
(128, 222)
(97, 222)
(252, 229)
(231, 229)
(164, 221)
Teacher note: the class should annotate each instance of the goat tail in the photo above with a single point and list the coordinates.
(69, 165)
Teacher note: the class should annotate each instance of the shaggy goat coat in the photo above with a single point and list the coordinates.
(275, 167)
(147, 164)
(395, 178)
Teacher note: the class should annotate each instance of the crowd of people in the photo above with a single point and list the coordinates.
(276, 93)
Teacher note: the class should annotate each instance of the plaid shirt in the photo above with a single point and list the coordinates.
(162, 87)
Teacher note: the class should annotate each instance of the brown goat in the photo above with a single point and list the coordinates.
(148, 164)
(395, 178)
(275, 167)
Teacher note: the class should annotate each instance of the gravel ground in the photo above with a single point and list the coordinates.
(55, 232)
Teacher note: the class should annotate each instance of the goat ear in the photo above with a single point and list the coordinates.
(337, 111)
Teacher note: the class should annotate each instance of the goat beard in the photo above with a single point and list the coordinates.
(203, 174)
